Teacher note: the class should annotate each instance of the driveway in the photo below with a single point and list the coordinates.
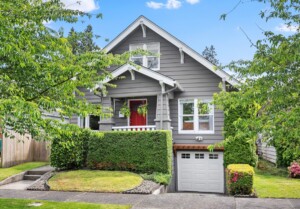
(166, 201)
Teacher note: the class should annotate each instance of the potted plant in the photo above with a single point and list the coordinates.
(142, 109)
(125, 110)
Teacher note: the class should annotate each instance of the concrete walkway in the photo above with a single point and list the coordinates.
(163, 201)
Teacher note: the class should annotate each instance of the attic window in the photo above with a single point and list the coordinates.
(149, 61)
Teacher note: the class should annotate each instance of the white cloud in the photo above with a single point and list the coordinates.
(173, 4)
(170, 4)
(192, 1)
(155, 5)
(287, 28)
(82, 5)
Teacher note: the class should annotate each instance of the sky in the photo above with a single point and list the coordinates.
(195, 22)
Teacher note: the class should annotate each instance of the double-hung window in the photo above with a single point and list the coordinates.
(91, 121)
(152, 60)
(195, 116)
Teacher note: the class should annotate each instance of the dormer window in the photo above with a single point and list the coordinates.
(149, 61)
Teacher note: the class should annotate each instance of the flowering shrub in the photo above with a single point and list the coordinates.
(239, 179)
(294, 169)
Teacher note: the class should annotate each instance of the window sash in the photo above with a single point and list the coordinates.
(196, 117)
(153, 47)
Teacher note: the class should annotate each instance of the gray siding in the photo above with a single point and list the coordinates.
(197, 81)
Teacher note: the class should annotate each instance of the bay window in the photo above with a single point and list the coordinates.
(151, 61)
(195, 116)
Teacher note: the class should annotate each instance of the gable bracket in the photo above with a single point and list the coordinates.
(132, 73)
(181, 55)
(143, 29)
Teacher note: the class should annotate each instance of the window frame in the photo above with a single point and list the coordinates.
(145, 58)
(196, 116)
(84, 122)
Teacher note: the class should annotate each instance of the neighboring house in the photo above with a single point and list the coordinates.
(177, 87)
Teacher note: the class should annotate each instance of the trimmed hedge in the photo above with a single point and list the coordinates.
(69, 151)
(143, 151)
(238, 147)
(239, 179)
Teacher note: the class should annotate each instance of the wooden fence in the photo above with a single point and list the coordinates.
(22, 149)
(267, 152)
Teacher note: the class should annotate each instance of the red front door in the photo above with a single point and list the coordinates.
(135, 118)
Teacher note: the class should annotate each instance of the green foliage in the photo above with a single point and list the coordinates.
(142, 151)
(142, 110)
(239, 179)
(239, 147)
(161, 178)
(38, 71)
(270, 87)
(125, 110)
(69, 151)
(210, 54)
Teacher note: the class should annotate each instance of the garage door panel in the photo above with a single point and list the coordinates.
(202, 171)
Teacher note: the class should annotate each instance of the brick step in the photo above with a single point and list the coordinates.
(31, 177)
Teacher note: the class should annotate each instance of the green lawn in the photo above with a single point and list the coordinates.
(7, 172)
(21, 203)
(94, 181)
(270, 181)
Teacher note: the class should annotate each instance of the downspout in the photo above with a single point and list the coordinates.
(161, 104)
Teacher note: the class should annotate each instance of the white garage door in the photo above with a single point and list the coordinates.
(200, 171)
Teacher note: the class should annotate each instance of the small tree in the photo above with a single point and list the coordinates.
(38, 71)
(270, 86)
(210, 54)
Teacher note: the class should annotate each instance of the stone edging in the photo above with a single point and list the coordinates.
(41, 184)
(14, 178)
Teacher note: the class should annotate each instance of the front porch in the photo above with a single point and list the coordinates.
(126, 114)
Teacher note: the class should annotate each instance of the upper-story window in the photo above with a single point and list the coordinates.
(149, 61)
(195, 116)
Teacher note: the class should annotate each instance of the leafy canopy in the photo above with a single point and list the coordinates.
(210, 54)
(270, 85)
(38, 71)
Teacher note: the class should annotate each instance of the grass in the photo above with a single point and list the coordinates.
(94, 181)
(161, 178)
(7, 172)
(21, 203)
(273, 182)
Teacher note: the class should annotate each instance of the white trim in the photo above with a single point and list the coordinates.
(174, 41)
(144, 57)
(196, 118)
(143, 70)
(143, 29)
(181, 56)
(128, 103)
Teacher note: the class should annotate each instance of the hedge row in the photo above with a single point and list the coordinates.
(144, 151)
(239, 179)
(238, 148)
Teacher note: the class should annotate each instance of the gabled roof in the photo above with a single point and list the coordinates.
(145, 71)
(186, 49)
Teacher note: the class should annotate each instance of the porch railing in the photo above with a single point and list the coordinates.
(134, 128)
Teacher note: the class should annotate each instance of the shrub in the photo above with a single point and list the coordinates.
(294, 169)
(143, 151)
(161, 178)
(239, 148)
(69, 151)
(239, 179)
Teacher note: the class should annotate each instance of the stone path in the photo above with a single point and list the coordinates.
(19, 185)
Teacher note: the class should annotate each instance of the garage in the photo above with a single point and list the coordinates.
(200, 171)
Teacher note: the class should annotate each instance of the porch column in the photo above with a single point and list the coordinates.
(162, 120)
(106, 124)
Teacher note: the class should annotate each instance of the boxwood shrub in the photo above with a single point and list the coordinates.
(239, 179)
(142, 151)
(69, 151)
